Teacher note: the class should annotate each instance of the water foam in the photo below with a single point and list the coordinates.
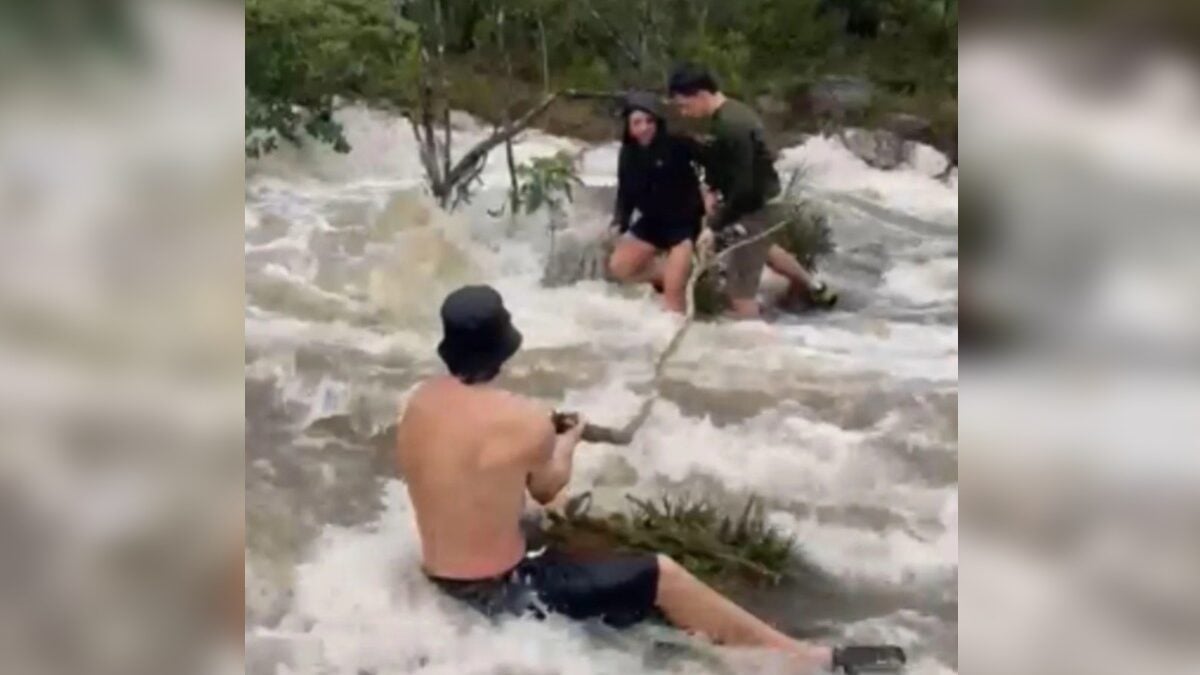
(359, 601)
(827, 166)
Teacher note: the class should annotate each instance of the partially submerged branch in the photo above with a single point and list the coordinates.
(713, 545)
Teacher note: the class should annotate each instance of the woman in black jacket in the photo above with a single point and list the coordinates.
(655, 177)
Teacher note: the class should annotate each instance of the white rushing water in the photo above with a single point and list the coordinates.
(844, 422)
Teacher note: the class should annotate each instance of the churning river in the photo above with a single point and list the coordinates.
(845, 423)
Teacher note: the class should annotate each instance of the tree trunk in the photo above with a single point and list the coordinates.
(514, 192)
(445, 87)
(545, 56)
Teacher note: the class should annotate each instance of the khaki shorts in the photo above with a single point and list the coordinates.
(744, 267)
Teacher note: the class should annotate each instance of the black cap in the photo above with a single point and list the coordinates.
(689, 79)
(478, 335)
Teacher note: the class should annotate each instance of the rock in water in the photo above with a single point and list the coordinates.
(771, 107)
(880, 148)
(840, 98)
(909, 127)
(580, 254)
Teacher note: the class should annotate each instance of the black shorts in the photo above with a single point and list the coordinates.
(620, 589)
(665, 235)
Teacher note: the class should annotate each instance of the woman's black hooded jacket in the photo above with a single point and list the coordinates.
(658, 180)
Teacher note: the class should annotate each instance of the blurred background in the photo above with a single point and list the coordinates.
(120, 335)
(1080, 332)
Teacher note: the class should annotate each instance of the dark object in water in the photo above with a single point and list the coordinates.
(822, 296)
(856, 659)
(592, 433)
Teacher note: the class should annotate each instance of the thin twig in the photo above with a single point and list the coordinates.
(701, 262)
(615, 36)
(746, 242)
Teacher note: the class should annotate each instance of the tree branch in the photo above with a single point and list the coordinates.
(702, 262)
(485, 146)
(478, 153)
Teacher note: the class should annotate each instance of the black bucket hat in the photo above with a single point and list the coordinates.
(478, 334)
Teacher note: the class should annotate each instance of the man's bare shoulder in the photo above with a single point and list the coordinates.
(499, 407)
(520, 423)
(434, 395)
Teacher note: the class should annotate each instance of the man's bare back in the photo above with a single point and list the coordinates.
(466, 453)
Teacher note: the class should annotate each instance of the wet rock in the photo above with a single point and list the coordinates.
(580, 254)
(840, 97)
(880, 148)
(909, 127)
(771, 107)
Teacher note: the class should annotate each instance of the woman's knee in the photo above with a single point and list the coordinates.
(625, 262)
(620, 266)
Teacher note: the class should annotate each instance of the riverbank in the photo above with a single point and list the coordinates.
(805, 107)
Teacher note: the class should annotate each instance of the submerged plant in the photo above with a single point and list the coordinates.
(806, 235)
(546, 181)
(708, 542)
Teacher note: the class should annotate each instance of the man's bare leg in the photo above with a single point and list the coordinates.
(786, 265)
(744, 309)
(675, 273)
(691, 605)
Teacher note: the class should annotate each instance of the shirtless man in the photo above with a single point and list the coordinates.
(468, 452)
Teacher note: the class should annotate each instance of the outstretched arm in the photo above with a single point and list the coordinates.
(739, 153)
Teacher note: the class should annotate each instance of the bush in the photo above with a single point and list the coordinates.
(303, 56)
(806, 236)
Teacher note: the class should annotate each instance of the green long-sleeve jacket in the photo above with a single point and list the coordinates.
(738, 163)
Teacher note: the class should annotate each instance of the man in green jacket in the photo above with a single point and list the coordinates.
(740, 174)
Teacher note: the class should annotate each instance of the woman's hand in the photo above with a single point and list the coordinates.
(704, 243)
(712, 199)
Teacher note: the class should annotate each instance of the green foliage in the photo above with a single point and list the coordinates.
(546, 181)
(303, 57)
(713, 545)
(807, 236)
(726, 54)
(792, 41)
(707, 296)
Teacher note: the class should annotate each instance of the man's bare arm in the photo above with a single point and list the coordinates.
(552, 474)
